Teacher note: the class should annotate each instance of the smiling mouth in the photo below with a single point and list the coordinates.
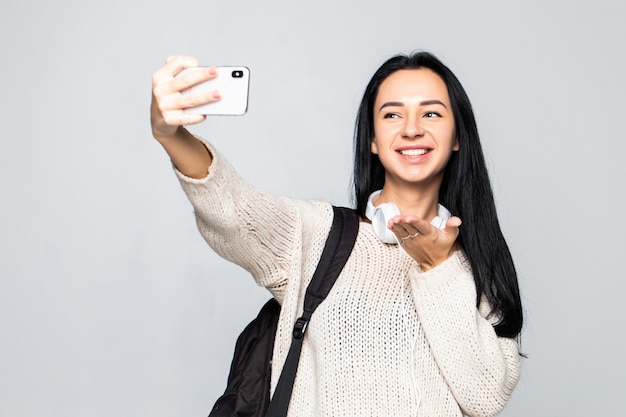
(413, 152)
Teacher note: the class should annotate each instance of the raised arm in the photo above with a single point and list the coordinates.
(167, 116)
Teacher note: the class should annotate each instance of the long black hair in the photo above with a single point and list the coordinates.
(465, 190)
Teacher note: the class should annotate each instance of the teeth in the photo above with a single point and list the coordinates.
(413, 152)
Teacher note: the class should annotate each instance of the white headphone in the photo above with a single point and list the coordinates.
(381, 214)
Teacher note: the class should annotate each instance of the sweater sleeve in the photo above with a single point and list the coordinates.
(262, 233)
(480, 368)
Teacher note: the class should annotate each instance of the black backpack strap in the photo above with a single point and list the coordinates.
(334, 257)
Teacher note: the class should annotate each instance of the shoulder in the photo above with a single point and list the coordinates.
(316, 217)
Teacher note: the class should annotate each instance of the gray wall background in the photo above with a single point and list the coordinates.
(111, 303)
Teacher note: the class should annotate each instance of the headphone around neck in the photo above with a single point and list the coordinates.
(381, 214)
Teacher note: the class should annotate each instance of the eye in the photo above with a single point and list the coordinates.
(391, 116)
(432, 114)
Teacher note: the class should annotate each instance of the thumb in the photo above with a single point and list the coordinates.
(452, 225)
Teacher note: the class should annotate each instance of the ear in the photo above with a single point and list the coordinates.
(456, 146)
(374, 146)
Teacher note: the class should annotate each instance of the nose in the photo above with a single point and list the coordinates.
(412, 128)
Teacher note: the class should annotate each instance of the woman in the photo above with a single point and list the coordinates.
(424, 316)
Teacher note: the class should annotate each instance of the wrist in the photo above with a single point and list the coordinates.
(170, 134)
(429, 264)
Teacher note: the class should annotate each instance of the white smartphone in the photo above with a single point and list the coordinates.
(233, 84)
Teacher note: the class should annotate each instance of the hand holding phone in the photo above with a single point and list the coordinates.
(232, 82)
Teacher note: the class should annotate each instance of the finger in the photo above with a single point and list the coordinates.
(177, 62)
(176, 102)
(191, 119)
(454, 221)
(411, 224)
(173, 65)
(400, 230)
(169, 79)
(404, 232)
(191, 77)
(401, 235)
(183, 81)
(452, 226)
(169, 91)
(193, 100)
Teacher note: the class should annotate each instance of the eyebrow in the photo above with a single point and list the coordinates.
(400, 104)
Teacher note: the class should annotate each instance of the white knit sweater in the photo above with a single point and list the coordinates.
(390, 339)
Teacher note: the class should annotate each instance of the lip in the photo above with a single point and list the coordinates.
(414, 158)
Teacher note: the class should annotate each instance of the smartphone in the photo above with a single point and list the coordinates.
(233, 84)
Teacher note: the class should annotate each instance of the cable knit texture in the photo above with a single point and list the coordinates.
(390, 339)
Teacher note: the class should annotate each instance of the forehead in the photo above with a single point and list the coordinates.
(413, 84)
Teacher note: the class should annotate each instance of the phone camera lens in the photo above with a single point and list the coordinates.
(237, 74)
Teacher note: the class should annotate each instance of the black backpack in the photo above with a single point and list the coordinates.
(248, 387)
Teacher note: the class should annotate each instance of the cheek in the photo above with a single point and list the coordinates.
(383, 135)
(374, 146)
(454, 142)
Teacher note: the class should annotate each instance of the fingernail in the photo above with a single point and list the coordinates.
(212, 71)
(216, 94)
